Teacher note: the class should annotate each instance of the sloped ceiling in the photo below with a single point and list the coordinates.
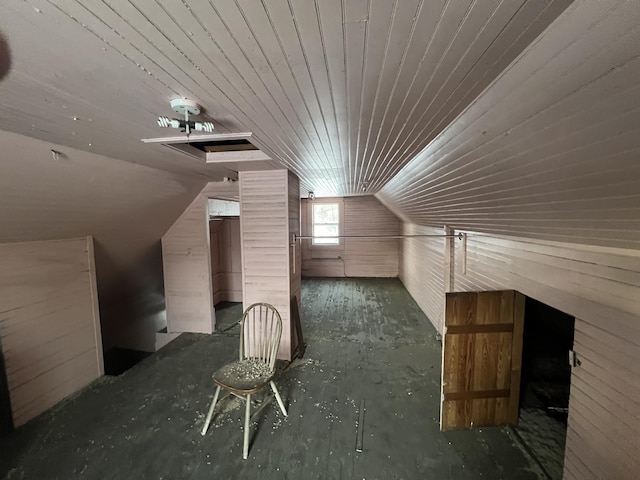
(342, 92)
(511, 117)
(127, 208)
(551, 149)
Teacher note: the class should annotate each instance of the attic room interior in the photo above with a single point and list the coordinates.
(440, 198)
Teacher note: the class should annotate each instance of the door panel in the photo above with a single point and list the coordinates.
(481, 359)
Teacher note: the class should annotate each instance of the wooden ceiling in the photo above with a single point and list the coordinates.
(342, 92)
(551, 149)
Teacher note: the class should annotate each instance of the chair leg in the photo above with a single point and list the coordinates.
(277, 394)
(247, 418)
(210, 414)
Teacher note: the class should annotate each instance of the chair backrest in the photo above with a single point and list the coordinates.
(260, 332)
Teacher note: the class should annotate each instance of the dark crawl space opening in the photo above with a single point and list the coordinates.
(119, 360)
(6, 420)
(546, 380)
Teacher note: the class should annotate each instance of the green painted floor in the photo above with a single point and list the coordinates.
(366, 340)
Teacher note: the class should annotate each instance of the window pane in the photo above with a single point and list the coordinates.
(325, 213)
(326, 241)
(326, 224)
(325, 231)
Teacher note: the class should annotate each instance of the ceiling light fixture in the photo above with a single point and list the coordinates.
(186, 108)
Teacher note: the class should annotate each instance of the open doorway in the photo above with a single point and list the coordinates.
(226, 260)
(545, 384)
(6, 419)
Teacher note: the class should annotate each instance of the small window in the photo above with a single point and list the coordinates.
(326, 224)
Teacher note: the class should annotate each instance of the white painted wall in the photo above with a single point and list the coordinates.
(125, 207)
(600, 286)
(49, 322)
(186, 257)
(267, 207)
(187, 260)
(226, 260)
(373, 257)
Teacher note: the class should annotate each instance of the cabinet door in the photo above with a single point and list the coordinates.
(482, 356)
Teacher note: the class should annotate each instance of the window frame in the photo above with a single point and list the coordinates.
(318, 248)
(314, 223)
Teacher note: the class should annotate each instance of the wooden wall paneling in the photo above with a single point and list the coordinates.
(295, 252)
(186, 255)
(264, 230)
(357, 257)
(227, 273)
(215, 241)
(600, 286)
(49, 324)
(548, 150)
(93, 282)
(125, 207)
(230, 260)
(422, 270)
(603, 276)
(222, 190)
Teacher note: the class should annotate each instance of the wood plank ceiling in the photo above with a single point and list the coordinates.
(550, 150)
(342, 92)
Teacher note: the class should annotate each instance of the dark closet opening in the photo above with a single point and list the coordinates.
(6, 418)
(118, 360)
(545, 384)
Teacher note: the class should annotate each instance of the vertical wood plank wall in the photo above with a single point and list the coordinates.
(422, 270)
(49, 322)
(186, 257)
(187, 271)
(227, 279)
(226, 264)
(295, 252)
(221, 190)
(360, 258)
(214, 247)
(600, 286)
(264, 228)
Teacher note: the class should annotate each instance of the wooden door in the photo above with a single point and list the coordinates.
(482, 357)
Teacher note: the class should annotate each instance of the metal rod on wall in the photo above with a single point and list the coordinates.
(293, 244)
(457, 235)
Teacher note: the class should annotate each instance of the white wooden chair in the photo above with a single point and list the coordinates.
(260, 331)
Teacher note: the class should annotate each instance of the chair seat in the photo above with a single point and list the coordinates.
(245, 376)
